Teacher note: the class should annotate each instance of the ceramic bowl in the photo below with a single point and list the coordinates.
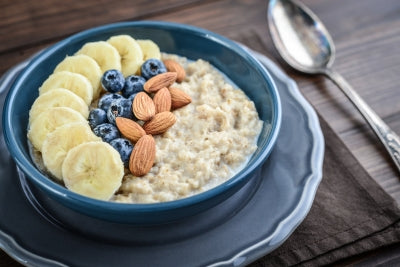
(192, 42)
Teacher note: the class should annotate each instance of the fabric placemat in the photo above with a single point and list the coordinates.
(351, 213)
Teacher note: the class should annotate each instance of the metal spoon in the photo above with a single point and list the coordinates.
(305, 44)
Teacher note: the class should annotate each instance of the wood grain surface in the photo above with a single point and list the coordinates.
(366, 34)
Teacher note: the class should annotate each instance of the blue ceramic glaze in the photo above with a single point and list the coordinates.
(251, 223)
(236, 63)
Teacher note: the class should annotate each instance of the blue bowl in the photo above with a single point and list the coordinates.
(236, 63)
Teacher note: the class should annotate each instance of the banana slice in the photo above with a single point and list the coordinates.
(75, 82)
(106, 55)
(150, 49)
(58, 98)
(86, 66)
(48, 121)
(93, 169)
(57, 144)
(130, 52)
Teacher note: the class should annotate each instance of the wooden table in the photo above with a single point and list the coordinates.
(366, 34)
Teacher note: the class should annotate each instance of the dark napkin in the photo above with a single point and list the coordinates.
(351, 213)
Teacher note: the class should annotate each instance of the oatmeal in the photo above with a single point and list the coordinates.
(212, 139)
(121, 121)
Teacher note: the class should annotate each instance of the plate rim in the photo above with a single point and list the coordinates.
(283, 230)
(311, 186)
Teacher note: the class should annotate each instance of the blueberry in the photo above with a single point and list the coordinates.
(124, 148)
(106, 100)
(127, 109)
(97, 116)
(107, 132)
(152, 67)
(113, 81)
(132, 97)
(115, 110)
(133, 84)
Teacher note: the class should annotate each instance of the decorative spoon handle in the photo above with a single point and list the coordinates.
(390, 139)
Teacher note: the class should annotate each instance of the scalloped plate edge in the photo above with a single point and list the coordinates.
(286, 227)
(283, 230)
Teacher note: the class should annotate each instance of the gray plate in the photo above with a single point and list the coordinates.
(252, 223)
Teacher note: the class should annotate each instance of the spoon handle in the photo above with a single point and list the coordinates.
(390, 139)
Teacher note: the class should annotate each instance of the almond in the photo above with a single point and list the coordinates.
(142, 156)
(174, 66)
(143, 107)
(162, 100)
(159, 81)
(160, 123)
(179, 98)
(129, 128)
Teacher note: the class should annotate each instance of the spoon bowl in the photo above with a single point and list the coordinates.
(300, 37)
(305, 44)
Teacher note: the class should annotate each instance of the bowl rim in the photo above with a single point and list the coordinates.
(58, 190)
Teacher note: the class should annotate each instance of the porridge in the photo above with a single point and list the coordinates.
(212, 139)
(154, 128)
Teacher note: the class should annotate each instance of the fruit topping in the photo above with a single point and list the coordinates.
(126, 105)
(152, 67)
(49, 120)
(124, 148)
(107, 132)
(57, 144)
(106, 56)
(113, 81)
(85, 66)
(150, 49)
(93, 169)
(130, 52)
(131, 97)
(96, 117)
(136, 105)
(106, 100)
(58, 98)
(133, 84)
(75, 82)
(115, 110)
